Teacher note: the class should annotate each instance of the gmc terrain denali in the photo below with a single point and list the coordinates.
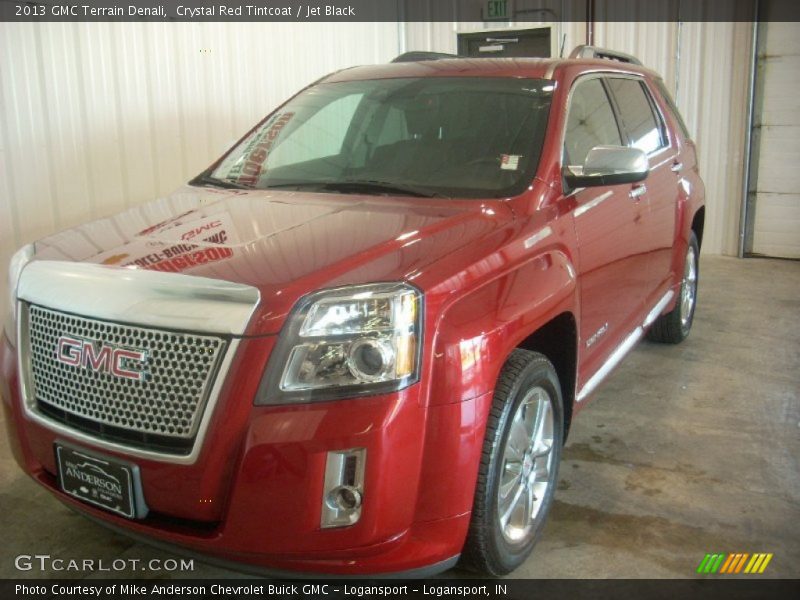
(355, 343)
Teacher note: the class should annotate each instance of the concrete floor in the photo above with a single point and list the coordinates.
(684, 450)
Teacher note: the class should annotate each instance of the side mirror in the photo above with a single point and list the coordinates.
(608, 165)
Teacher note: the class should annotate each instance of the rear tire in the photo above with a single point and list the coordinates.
(519, 465)
(673, 327)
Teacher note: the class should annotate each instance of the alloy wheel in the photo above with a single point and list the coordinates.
(526, 466)
(689, 287)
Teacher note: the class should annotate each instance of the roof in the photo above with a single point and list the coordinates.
(535, 68)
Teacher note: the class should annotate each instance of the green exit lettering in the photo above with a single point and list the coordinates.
(497, 9)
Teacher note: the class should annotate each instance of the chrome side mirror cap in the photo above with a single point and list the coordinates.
(608, 165)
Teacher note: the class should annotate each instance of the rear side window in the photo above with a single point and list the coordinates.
(639, 120)
(673, 108)
(590, 122)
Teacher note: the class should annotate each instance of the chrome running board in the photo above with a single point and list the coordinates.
(626, 346)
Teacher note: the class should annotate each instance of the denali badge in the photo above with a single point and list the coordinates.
(106, 358)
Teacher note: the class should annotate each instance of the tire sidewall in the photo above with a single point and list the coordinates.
(539, 373)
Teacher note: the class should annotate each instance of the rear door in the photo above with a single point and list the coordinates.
(644, 128)
(609, 225)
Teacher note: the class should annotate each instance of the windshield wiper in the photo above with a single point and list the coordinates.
(223, 183)
(384, 187)
(345, 186)
(294, 184)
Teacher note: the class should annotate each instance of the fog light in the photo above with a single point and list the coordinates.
(345, 498)
(343, 489)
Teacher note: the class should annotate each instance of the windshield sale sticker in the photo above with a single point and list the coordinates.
(509, 162)
(248, 169)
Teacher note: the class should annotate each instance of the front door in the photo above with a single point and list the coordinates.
(609, 226)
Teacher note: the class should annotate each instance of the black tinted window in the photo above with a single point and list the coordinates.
(636, 112)
(590, 122)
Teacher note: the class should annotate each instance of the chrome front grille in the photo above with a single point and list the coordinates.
(161, 409)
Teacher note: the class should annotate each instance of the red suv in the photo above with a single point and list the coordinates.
(355, 344)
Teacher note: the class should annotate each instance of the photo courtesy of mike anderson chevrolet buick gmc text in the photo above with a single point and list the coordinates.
(354, 344)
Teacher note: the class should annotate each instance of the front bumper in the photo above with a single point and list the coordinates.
(253, 495)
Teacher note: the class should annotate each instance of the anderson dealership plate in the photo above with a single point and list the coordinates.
(104, 482)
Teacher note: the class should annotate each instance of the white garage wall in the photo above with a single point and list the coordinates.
(711, 74)
(97, 117)
(776, 230)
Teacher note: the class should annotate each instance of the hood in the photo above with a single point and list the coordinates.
(286, 244)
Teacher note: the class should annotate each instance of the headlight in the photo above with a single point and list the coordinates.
(18, 261)
(346, 342)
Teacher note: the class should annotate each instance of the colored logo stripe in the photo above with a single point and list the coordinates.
(733, 563)
(758, 563)
(710, 563)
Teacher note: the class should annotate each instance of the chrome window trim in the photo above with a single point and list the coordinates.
(172, 301)
(657, 114)
(575, 83)
(670, 145)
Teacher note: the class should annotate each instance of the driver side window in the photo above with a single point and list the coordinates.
(590, 122)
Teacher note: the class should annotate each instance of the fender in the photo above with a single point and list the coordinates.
(474, 336)
(478, 332)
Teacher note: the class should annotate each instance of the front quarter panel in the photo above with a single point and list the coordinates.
(510, 294)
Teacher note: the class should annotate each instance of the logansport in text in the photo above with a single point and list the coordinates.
(252, 590)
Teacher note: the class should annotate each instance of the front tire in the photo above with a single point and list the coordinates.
(519, 465)
(673, 327)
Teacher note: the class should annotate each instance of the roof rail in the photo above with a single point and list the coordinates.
(596, 52)
(416, 56)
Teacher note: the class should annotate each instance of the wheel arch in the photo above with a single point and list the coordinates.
(558, 341)
(698, 222)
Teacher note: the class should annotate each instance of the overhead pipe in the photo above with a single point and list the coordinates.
(590, 22)
(746, 216)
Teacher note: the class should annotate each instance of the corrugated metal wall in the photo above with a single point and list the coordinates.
(708, 62)
(97, 117)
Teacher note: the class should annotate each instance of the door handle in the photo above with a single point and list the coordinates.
(638, 191)
(676, 167)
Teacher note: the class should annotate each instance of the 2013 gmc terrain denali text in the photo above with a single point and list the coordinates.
(355, 343)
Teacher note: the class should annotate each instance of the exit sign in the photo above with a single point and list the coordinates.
(496, 10)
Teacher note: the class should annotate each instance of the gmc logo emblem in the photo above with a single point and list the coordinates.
(105, 358)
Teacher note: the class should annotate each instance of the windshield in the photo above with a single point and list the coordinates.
(446, 136)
